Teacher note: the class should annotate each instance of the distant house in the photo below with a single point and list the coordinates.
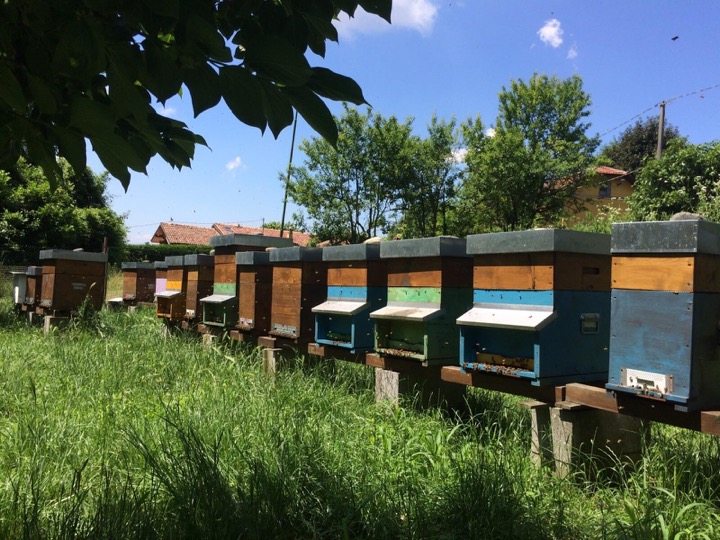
(177, 233)
(607, 186)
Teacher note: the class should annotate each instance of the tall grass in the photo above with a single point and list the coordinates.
(113, 430)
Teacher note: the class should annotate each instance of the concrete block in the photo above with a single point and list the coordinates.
(51, 322)
(422, 391)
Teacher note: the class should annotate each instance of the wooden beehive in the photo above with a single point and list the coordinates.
(356, 286)
(541, 306)
(254, 277)
(160, 276)
(666, 311)
(429, 286)
(71, 277)
(220, 309)
(299, 284)
(138, 282)
(171, 301)
(199, 283)
(33, 288)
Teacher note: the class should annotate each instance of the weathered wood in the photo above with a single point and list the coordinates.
(430, 272)
(64, 266)
(653, 272)
(499, 383)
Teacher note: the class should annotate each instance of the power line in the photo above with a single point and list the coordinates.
(155, 223)
(675, 98)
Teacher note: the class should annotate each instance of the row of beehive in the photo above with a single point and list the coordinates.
(551, 306)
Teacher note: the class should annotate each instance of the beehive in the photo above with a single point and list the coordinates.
(69, 277)
(299, 284)
(220, 309)
(19, 288)
(356, 286)
(665, 312)
(171, 301)
(429, 286)
(541, 306)
(160, 276)
(199, 283)
(33, 288)
(254, 292)
(138, 282)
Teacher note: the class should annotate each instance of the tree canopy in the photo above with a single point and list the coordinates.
(638, 143)
(74, 71)
(73, 215)
(685, 179)
(528, 170)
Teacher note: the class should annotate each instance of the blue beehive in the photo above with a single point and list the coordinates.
(666, 311)
(541, 306)
(357, 285)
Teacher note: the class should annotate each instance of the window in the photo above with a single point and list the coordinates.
(604, 191)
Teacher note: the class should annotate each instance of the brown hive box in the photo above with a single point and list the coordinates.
(69, 277)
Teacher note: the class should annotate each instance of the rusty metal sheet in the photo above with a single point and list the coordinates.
(518, 317)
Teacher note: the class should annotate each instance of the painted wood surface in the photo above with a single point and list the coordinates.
(254, 298)
(685, 273)
(430, 272)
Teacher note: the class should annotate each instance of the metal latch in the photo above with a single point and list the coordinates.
(589, 323)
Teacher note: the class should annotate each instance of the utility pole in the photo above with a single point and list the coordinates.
(287, 182)
(661, 131)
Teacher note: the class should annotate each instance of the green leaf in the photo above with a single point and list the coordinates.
(72, 147)
(161, 75)
(207, 36)
(10, 90)
(378, 7)
(276, 59)
(44, 98)
(334, 86)
(111, 162)
(90, 117)
(315, 112)
(277, 107)
(204, 85)
(243, 95)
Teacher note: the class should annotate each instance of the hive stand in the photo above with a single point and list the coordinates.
(254, 279)
(356, 286)
(666, 312)
(220, 309)
(541, 306)
(299, 283)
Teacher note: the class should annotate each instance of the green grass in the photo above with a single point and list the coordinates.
(110, 429)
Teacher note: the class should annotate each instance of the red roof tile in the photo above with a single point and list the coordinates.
(176, 233)
(298, 238)
(610, 170)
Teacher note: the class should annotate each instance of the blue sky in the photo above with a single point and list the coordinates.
(451, 58)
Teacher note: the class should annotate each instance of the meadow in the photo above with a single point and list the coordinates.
(112, 428)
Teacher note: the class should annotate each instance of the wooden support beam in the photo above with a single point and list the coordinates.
(502, 383)
(401, 365)
(337, 353)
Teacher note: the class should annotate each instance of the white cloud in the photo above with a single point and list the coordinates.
(572, 53)
(490, 132)
(458, 155)
(551, 33)
(234, 164)
(167, 111)
(418, 15)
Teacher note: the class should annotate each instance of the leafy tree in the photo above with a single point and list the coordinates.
(347, 192)
(685, 179)
(637, 143)
(73, 215)
(427, 189)
(75, 70)
(526, 173)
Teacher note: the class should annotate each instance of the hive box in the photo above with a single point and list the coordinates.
(254, 292)
(200, 271)
(160, 276)
(171, 300)
(299, 284)
(19, 287)
(33, 288)
(429, 286)
(220, 309)
(666, 311)
(356, 286)
(541, 306)
(69, 277)
(138, 282)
